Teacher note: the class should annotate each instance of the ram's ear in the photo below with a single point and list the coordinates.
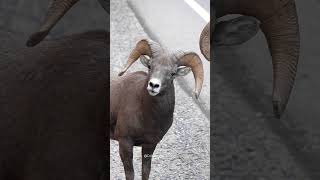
(235, 31)
(145, 61)
(183, 70)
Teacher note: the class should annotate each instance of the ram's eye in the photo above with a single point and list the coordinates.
(172, 74)
(149, 67)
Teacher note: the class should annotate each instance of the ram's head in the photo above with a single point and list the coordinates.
(165, 65)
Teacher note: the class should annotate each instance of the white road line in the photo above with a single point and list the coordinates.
(198, 9)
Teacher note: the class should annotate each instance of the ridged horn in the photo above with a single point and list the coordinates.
(205, 42)
(282, 34)
(142, 48)
(193, 61)
(205, 38)
(56, 11)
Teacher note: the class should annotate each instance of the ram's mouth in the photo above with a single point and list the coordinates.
(152, 92)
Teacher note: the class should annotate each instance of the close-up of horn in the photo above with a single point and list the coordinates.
(193, 61)
(282, 34)
(142, 48)
(281, 29)
(57, 10)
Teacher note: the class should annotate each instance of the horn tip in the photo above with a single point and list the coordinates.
(121, 73)
(278, 109)
(196, 94)
(36, 38)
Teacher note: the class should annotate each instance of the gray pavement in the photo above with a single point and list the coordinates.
(184, 151)
(205, 4)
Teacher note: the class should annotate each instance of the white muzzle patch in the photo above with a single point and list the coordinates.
(154, 86)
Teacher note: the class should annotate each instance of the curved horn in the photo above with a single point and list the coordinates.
(193, 61)
(56, 11)
(142, 48)
(205, 39)
(205, 42)
(282, 34)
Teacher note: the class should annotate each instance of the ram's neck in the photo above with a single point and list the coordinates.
(160, 106)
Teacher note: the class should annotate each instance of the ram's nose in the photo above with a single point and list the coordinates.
(154, 86)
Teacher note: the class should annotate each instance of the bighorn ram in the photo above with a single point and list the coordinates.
(56, 11)
(54, 109)
(142, 104)
(279, 23)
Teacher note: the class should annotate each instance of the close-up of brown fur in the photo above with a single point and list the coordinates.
(53, 109)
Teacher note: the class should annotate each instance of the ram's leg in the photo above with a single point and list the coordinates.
(147, 151)
(126, 154)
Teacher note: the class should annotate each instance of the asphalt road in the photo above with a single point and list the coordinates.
(184, 151)
(205, 4)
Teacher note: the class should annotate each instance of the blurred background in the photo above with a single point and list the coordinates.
(20, 18)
